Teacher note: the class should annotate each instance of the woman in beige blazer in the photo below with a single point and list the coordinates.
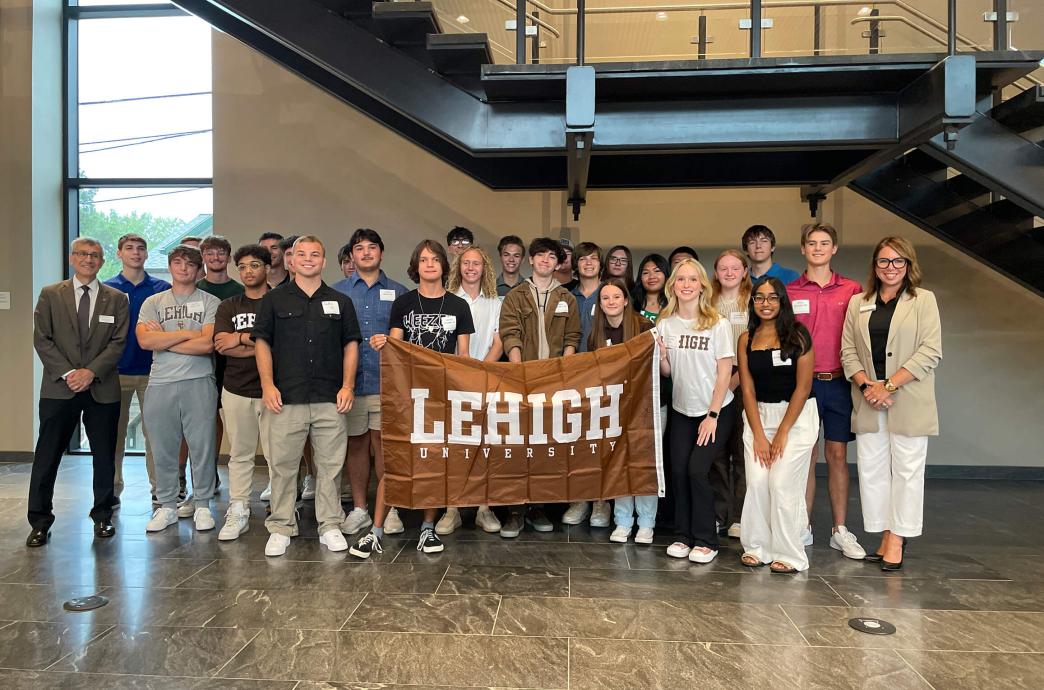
(890, 347)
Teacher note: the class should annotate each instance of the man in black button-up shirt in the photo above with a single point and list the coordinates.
(307, 349)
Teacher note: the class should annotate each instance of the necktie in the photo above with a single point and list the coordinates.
(83, 317)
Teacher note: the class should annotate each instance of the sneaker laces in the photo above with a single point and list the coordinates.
(426, 534)
(373, 542)
(848, 539)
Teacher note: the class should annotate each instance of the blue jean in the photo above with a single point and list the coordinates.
(623, 511)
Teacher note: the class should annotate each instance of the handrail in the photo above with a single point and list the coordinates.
(536, 20)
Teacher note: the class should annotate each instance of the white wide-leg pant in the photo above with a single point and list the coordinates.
(891, 480)
(774, 507)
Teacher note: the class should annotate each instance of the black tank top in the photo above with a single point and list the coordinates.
(775, 376)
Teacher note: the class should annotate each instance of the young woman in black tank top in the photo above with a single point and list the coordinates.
(781, 424)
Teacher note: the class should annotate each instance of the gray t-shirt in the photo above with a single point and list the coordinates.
(179, 313)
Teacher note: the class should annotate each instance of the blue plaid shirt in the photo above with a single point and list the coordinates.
(373, 309)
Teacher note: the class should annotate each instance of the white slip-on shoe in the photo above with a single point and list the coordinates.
(620, 535)
(734, 530)
(358, 520)
(204, 519)
(487, 521)
(162, 519)
(237, 521)
(701, 554)
(846, 542)
(449, 522)
(678, 550)
(333, 540)
(277, 544)
(393, 523)
(601, 514)
(576, 513)
(644, 536)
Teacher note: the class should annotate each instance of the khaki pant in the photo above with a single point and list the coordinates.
(243, 427)
(287, 432)
(129, 387)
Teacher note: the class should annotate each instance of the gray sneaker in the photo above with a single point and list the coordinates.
(511, 527)
(538, 520)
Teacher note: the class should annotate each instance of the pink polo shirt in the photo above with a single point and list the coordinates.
(822, 311)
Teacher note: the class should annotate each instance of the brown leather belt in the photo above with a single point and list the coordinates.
(828, 375)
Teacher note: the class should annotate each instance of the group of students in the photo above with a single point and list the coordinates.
(754, 358)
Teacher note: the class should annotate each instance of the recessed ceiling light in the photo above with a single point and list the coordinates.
(462, 19)
(661, 16)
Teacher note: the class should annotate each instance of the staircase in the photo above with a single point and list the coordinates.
(913, 132)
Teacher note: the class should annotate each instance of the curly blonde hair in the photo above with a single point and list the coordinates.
(488, 284)
(706, 314)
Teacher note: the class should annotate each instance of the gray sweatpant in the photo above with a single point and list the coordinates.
(171, 411)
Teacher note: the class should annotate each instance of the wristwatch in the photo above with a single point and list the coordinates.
(863, 386)
(889, 386)
(712, 414)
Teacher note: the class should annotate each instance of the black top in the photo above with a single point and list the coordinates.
(236, 315)
(880, 322)
(432, 323)
(614, 336)
(307, 336)
(775, 377)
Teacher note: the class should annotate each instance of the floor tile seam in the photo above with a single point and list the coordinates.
(569, 663)
(106, 629)
(924, 610)
(197, 572)
(345, 621)
(910, 666)
(836, 593)
(217, 673)
(791, 620)
(929, 650)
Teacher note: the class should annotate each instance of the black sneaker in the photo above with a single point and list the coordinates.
(371, 543)
(429, 542)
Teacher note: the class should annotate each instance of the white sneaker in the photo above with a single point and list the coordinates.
(576, 513)
(187, 508)
(204, 519)
(333, 540)
(162, 519)
(701, 554)
(308, 488)
(734, 530)
(600, 514)
(806, 536)
(266, 494)
(357, 520)
(846, 542)
(237, 521)
(487, 521)
(448, 522)
(644, 536)
(678, 550)
(620, 535)
(393, 523)
(277, 544)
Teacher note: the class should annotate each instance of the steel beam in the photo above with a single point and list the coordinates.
(580, 121)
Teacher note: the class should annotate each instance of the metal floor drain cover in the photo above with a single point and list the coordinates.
(872, 626)
(85, 603)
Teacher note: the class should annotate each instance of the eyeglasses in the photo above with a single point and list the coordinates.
(898, 262)
(460, 243)
(772, 298)
(253, 265)
(87, 255)
(619, 260)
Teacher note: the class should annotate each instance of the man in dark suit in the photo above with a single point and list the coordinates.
(80, 327)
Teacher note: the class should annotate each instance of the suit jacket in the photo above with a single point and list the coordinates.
(56, 339)
(915, 344)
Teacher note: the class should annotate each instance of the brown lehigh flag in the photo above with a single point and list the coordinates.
(461, 432)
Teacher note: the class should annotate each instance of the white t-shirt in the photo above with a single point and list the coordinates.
(179, 313)
(694, 356)
(485, 312)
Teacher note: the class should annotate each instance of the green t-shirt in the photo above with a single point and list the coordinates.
(221, 290)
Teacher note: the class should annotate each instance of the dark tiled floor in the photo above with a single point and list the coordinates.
(564, 609)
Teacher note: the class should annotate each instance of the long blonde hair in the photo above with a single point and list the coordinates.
(706, 314)
(746, 286)
(488, 284)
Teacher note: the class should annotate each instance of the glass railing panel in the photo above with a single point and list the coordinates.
(1026, 32)
(665, 31)
(480, 16)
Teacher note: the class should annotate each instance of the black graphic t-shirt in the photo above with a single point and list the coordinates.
(432, 323)
(236, 315)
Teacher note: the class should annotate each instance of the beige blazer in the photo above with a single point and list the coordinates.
(914, 344)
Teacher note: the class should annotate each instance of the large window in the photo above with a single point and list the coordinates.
(138, 132)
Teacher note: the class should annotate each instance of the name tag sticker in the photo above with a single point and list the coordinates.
(592, 308)
(105, 318)
(738, 317)
(801, 306)
(778, 361)
(449, 323)
(868, 307)
(387, 295)
(193, 307)
(331, 307)
(562, 308)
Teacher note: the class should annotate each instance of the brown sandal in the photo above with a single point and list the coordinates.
(751, 561)
(781, 568)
